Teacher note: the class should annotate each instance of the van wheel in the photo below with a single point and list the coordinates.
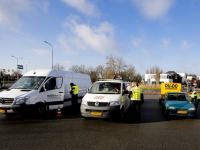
(41, 109)
(121, 113)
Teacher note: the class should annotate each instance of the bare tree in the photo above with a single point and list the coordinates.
(82, 69)
(111, 63)
(93, 74)
(116, 64)
(58, 67)
(130, 71)
(108, 73)
(157, 71)
(100, 71)
(74, 68)
(120, 65)
(137, 78)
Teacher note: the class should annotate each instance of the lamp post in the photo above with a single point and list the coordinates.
(186, 78)
(26, 65)
(52, 51)
(17, 64)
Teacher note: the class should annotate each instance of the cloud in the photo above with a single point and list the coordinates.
(85, 37)
(41, 52)
(84, 6)
(186, 45)
(11, 11)
(137, 41)
(165, 42)
(146, 52)
(153, 9)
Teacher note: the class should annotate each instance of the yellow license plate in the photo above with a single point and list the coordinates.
(96, 113)
(2, 111)
(182, 112)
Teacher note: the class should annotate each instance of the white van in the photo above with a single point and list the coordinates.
(106, 99)
(43, 90)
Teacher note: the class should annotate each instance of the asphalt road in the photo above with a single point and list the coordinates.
(71, 131)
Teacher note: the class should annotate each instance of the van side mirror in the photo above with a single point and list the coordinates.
(87, 90)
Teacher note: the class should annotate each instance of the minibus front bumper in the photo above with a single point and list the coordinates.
(99, 112)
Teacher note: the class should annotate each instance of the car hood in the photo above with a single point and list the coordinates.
(102, 97)
(180, 104)
(12, 93)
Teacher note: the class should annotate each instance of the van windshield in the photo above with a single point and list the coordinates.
(28, 82)
(105, 88)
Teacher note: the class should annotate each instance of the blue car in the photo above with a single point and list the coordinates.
(178, 104)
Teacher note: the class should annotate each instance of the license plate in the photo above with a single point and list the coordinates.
(96, 113)
(182, 112)
(2, 111)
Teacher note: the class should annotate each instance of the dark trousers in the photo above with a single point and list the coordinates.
(74, 99)
(135, 107)
(195, 102)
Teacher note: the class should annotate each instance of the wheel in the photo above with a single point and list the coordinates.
(165, 112)
(41, 109)
(121, 113)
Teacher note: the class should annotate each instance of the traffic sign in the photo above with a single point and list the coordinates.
(20, 66)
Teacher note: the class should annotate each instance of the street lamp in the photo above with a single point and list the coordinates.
(52, 51)
(17, 65)
(26, 65)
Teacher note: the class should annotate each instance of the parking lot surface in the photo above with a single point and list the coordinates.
(72, 131)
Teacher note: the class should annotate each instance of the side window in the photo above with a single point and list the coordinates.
(54, 83)
(51, 84)
(59, 82)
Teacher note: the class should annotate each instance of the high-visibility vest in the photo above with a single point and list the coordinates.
(75, 89)
(136, 94)
(193, 95)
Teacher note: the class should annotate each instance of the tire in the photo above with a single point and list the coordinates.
(165, 112)
(121, 113)
(41, 109)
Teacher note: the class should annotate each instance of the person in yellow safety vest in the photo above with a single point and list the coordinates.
(136, 96)
(195, 98)
(74, 93)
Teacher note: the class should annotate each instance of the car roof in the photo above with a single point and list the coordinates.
(114, 81)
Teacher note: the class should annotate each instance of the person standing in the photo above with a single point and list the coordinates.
(74, 93)
(195, 98)
(136, 96)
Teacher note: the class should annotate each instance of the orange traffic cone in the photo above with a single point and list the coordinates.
(59, 112)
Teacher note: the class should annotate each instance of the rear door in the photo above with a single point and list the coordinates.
(54, 94)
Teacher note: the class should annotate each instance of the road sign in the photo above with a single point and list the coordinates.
(20, 66)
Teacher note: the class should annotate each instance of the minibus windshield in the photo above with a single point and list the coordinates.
(105, 88)
(28, 82)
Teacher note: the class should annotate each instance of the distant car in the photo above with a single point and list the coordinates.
(179, 104)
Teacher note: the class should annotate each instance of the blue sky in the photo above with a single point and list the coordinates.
(144, 33)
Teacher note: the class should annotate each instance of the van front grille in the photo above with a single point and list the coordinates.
(101, 104)
(6, 101)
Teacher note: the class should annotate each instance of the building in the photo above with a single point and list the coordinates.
(168, 77)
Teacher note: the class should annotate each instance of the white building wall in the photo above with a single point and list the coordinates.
(184, 77)
(152, 78)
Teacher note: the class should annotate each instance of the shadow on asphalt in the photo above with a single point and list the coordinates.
(151, 112)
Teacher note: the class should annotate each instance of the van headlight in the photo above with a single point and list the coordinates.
(22, 100)
(84, 102)
(192, 108)
(114, 103)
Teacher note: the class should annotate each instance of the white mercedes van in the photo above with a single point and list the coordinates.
(106, 99)
(43, 90)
